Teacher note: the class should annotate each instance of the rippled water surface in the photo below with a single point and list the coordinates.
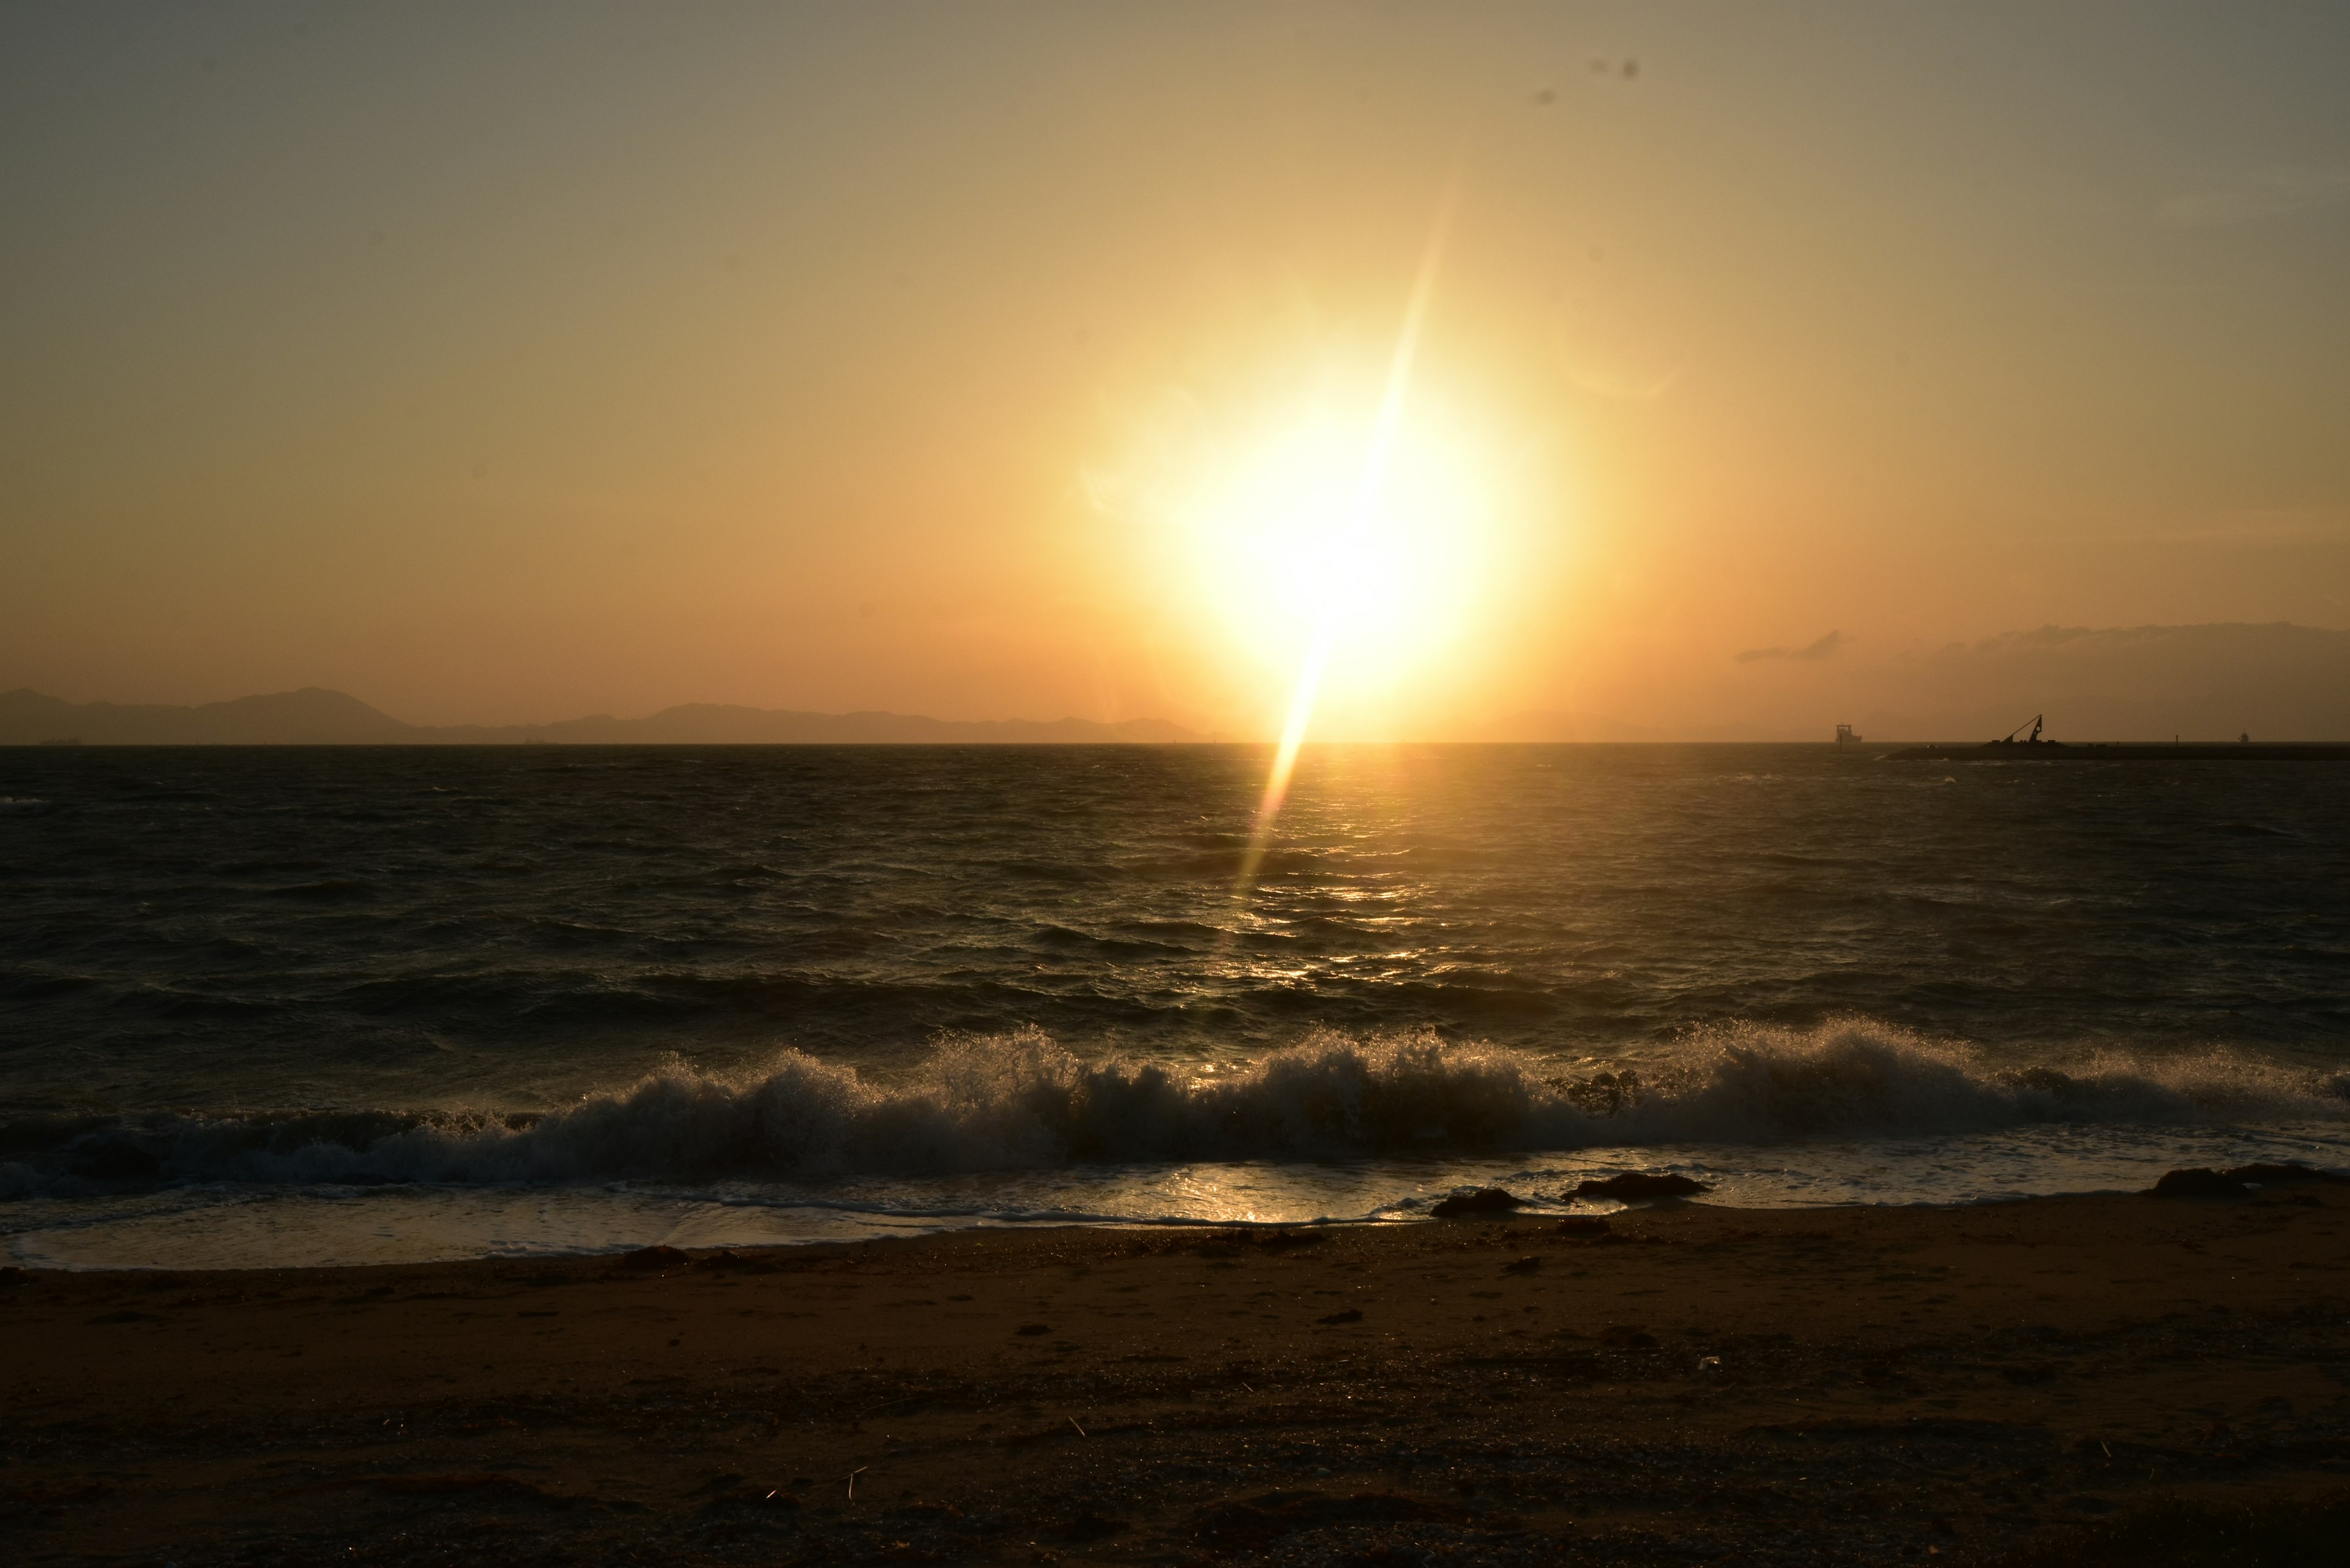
(267, 1003)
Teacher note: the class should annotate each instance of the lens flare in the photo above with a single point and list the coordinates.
(1342, 557)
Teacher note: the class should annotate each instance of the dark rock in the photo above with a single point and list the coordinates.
(654, 1258)
(2281, 1175)
(1033, 1330)
(1625, 1336)
(2198, 1181)
(1634, 1186)
(1351, 1314)
(1522, 1266)
(1280, 1241)
(1590, 1227)
(1477, 1200)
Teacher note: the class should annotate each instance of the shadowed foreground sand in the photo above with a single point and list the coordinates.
(1698, 1384)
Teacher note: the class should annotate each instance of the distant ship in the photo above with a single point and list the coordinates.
(2033, 749)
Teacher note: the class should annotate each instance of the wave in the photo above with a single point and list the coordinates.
(1018, 1100)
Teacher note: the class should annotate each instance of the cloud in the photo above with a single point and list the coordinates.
(2250, 195)
(1825, 648)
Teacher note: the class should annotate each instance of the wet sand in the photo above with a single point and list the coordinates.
(1697, 1382)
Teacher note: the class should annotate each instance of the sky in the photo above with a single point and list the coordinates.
(506, 363)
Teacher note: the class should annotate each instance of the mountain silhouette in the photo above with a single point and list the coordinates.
(315, 716)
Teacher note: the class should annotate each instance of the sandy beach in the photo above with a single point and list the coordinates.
(1686, 1384)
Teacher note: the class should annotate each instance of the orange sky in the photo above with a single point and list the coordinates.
(505, 365)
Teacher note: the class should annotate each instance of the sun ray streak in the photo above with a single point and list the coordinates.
(1338, 555)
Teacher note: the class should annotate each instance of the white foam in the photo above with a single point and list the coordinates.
(1019, 1101)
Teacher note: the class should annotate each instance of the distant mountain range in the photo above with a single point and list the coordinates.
(314, 716)
(2275, 682)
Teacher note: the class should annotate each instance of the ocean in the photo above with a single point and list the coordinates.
(266, 1006)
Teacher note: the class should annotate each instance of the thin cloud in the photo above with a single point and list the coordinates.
(2250, 195)
(1825, 649)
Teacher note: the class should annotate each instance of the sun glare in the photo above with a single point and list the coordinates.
(1284, 549)
(1267, 529)
(1338, 548)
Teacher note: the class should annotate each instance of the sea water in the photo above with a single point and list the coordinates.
(305, 1005)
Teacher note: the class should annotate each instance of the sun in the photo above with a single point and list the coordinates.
(1303, 534)
(1342, 539)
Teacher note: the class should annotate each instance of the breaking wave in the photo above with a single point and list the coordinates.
(1018, 1100)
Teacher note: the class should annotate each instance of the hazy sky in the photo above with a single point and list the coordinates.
(508, 362)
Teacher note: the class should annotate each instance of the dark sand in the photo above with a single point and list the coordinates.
(1703, 1384)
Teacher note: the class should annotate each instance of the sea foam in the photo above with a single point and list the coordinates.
(1020, 1101)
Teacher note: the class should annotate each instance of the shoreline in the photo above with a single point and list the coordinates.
(766, 1255)
(382, 1222)
(1821, 1384)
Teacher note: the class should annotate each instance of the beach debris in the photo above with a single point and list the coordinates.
(1073, 1421)
(1526, 1265)
(1476, 1200)
(1635, 1186)
(1031, 1330)
(1627, 1336)
(1589, 1226)
(1352, 1315)
(730, 1489)
(1709, 1364)
(852, 1481)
